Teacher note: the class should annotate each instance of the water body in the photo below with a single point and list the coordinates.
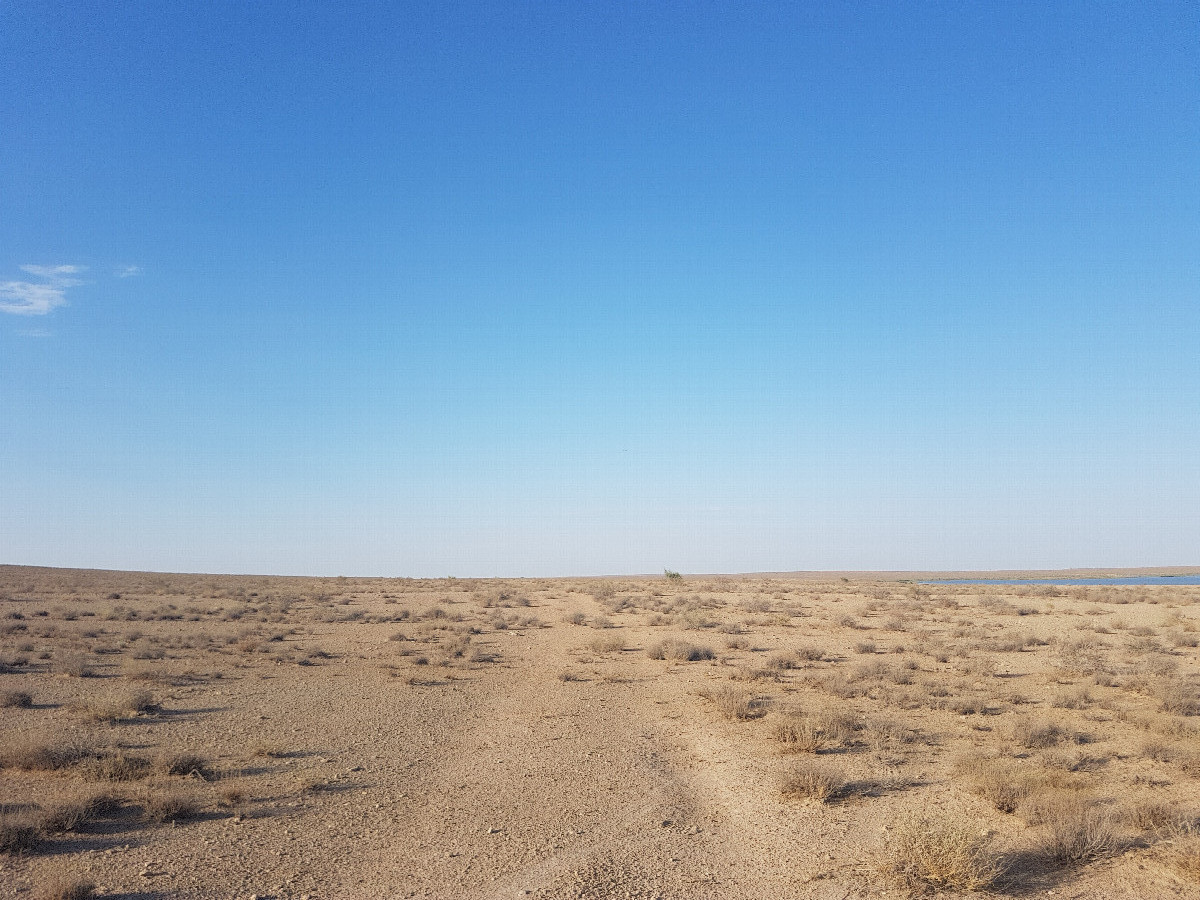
(1099, 582)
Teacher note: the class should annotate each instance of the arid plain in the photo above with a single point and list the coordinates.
(672, 737)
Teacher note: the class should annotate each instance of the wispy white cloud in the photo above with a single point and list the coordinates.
(129, 271)
(30, 298)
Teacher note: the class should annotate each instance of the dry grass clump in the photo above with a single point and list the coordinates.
(608, 643)
(1186, 858)
(74, 813)
(46, 756)
(802, 733)
(113, 710)
(68, 889)
(1077, 830)
(1040, 735)
(16, 699)
(1179, 698)
(999, 782)
(924, 853)
(74, 665)
(679, 651)
(114, 765)
(813, 782)
(18, 834)
(168, 806)
(735, 703)
(190, 764)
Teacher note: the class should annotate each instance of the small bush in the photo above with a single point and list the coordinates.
(75, 665)
(679, 651)
(16, 699)
(925, 853)
(70, 815)
(813, 782)
(186, 764)
(114, 765)
(18, 835)
(609, 643)
(1076, 830)
(68, 889)
(168, 806)
(44, 757)
(735, 703)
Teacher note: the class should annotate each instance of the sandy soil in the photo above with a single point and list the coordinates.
(363, 738)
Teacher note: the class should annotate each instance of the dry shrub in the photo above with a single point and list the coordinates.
(678, 651)
(865, 647)
(113, 710)
(1186, 859)
(16, 699)
(46, 756)
(114, 765)
(168, 806)
(74, 665)
(810, 653)
(735, 703)
(1151, 815)
(1179, 698)
(192, 764)
(814, 782)
(609, 643)
(782, 661)
(924, 853)
(72, 814)
(799, 734)
(18, 834)
(1040, 735)
(998, 782)
(824, 730)
(1076, 830)
(67, 889)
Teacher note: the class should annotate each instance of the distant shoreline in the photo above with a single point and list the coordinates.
(899, 575)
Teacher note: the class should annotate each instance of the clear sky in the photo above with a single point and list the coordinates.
(582, 288)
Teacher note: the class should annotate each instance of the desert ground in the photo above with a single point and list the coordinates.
(829, 737)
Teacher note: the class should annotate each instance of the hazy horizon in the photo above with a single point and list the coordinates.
(542, 290)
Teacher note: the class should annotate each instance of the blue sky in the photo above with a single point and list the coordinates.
(542, 289)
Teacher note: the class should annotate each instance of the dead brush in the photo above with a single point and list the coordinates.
(45, 756)
(67, 889)
(16, 700)
(799, 732)
(676, 650)
(167, 805)
(75, 813)
(924, 853)
(186, 764)
(1185, 835)
(607, 643)
(813, 782)
(1076, 830)
(735, 703)
(1040, 735)
(999, 782)
(18, 834)
(114, 765)
(115, 709)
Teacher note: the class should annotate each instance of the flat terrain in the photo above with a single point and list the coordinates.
(742, 737)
